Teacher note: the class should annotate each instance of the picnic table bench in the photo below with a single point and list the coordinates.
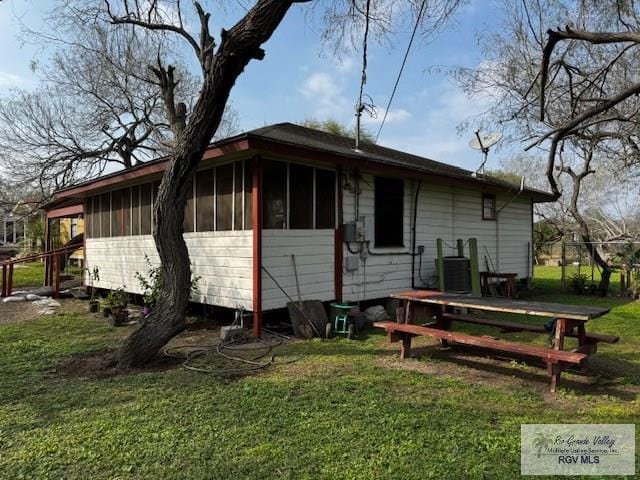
(568, 321)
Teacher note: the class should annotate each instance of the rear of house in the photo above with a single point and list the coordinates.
(359, 224)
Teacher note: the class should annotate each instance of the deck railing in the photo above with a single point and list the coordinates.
(53, 261)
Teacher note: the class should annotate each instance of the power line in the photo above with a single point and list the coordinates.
(363, 79)
(404, 61)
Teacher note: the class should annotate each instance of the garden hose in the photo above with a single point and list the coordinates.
(237, 343)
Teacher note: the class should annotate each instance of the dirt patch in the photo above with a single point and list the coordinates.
(15, 312)
(103, 365)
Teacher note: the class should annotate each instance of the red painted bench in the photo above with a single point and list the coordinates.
(553, 358)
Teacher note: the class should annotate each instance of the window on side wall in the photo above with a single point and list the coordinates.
(325, 199)
(146, 191)
(189, 212)
(389, 212)
(274, 194)
(105, 215)
(205, 212)
(301, 196)
(135, 210)
(224, 197)
(488, 206)
(248, 195)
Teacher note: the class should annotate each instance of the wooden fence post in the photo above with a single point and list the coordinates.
(460, 243)
(4, 280)
(56, 280)
(440, 265)
(475, 271)
(562, 263)
(10, 281)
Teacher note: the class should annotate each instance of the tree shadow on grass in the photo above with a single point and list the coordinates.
(495, 368)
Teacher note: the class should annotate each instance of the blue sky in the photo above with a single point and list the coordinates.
(299, 79)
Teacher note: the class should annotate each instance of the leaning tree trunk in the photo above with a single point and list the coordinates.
(585, 235)
(585, 232)
(239, 46)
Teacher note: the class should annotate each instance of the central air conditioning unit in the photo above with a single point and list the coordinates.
(457, 274)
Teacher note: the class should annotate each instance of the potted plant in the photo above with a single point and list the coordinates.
(93, 276)
(578, 283)
(151, 284)
(107, 304)
(119, 302)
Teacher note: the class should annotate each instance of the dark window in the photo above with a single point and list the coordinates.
(488, 206)
(248, 190)
(187, 223)
(88, 218)
(325, 199)
(224, 197)
(105, 210)
(205, 219)
(274, 194)
(126, 212)
(145, 209)
(156, 188)
(135, 210)
(237, 197)
(389, 212)
(116, 213)
(300, 196)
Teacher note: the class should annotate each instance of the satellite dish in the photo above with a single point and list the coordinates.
(482, 142)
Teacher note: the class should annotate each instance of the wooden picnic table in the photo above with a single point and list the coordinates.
(568, 321)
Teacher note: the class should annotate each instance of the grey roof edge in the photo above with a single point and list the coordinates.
(367, 153)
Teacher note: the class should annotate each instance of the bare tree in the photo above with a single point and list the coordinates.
(97, 106)
(221, 64)
(572, 95)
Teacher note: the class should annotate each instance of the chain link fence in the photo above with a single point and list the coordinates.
(575, 261)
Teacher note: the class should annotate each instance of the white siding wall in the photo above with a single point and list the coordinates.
(222, 260)
(443, 212)
(314, 253)
(384, 274)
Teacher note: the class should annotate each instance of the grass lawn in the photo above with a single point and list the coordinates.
(345, 409)
(29, 274)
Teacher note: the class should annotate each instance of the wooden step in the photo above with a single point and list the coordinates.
(547, 354)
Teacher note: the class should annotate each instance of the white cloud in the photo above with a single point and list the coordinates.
(319, 84)
(325, 94)
(395, 115)
(9, 80)
(345, 64)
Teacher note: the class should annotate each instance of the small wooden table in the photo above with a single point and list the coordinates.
(509, 282)
(570, 321)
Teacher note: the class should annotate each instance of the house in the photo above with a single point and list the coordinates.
(361, 223)
(13, 223)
